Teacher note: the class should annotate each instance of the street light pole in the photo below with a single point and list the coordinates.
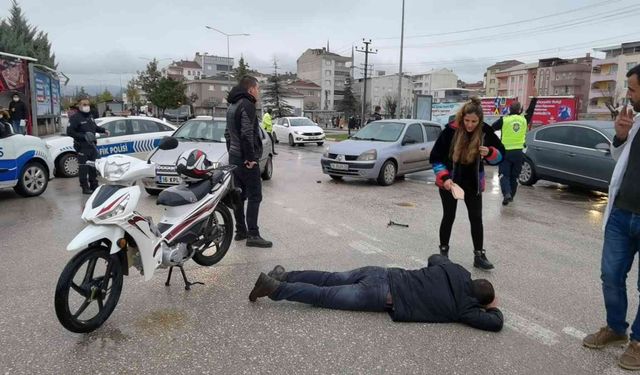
(228, 54)
(399, 105)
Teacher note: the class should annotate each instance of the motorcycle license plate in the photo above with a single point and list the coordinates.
(169, 180)
(339, 167)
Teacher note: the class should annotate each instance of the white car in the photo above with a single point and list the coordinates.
(26, 164)
(297, 130)
(134, 135)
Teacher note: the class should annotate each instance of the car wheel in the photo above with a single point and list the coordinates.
(68, 165)
(387, 173)
(33, 180)
(320, 143)
(527, 174)
(268, 169)
(291, 142)
(152, 191)
(335, 177)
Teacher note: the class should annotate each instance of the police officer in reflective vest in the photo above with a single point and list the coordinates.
(514, 130)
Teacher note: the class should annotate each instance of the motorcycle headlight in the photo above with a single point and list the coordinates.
(118, 209)
(114, 171)
(368, 155)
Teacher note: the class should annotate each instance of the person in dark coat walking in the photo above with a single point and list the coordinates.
(442, 292)
(82, 124)
(244, 144)
(18, 111)
(458, 158)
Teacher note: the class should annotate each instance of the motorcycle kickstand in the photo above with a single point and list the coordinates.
(187, 283)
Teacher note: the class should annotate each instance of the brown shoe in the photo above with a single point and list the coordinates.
(630, 359)
(604, 337)
(264, 287)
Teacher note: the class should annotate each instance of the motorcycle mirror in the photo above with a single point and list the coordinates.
(168, 143)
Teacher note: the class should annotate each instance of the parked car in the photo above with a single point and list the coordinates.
(205, 133)
(26, 164)
(297, 130)
(134, 135)
(383, 150)
(572, 153)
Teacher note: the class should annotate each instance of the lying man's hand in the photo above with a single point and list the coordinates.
(493, 304)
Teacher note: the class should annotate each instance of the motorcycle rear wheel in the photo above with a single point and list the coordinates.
(83, 283)
(221, 235)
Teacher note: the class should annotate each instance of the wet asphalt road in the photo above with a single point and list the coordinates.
(546, 248)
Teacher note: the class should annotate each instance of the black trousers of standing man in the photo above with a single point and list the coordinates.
(249, 181)
(87, 174)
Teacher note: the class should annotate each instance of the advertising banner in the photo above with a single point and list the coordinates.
(43, 93)
(440, 112)
(55, 97)
(498, 106)
(550, 110)
(13, 74)
(422, 109)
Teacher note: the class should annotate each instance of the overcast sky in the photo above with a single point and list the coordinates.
(101, 42)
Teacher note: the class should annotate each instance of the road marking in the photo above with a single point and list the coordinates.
(361, 233)
(308, 221)
(574, 332)
(365, 248)
(331, 232)
(529, 328)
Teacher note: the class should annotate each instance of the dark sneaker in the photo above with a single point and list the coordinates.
(240, 236)
(506, 200)
(604, 337)
(257, 241)
(264, 287)
(444, 250)
(87, 191)
(278, 273)
(630, 359)
(480, 260)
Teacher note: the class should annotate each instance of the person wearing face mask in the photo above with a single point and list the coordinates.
(6, 129)
(458, 158)
(81, 124)
(18, 111)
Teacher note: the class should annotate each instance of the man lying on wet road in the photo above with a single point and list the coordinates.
(442, 292)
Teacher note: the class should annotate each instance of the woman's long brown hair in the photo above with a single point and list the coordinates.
(466, 146)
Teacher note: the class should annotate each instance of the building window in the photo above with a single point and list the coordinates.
(327, 72)
(327, 62)
(626, 84)
(209, 67)
(211, 88)
(492, 81)
(631, 65)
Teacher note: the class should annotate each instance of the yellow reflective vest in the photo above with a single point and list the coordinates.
(514, 131)
(266, 123)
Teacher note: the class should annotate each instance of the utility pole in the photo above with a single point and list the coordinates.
(366, 52)
(399, 105)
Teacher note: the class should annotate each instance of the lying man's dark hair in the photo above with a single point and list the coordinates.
(483, 291)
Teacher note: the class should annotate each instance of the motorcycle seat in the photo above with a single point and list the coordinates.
(182, 194)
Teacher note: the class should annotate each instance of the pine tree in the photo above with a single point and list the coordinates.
(349, 103)
(20, 38)
(242, 69)
(273, 96)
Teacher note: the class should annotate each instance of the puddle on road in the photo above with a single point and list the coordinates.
(162, 320)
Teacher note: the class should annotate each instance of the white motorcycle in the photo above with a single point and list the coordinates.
(197, 223)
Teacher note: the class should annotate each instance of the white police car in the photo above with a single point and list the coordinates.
(134, 135)
(26, 164)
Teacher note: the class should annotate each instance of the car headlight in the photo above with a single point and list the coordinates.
(48, 146)
(368, 155)
(296, 132)
(115, 211)
(114, 171)
(326, 152)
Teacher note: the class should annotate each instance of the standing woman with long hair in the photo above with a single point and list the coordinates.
(457, 158)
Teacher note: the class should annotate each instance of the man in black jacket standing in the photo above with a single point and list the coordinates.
(18, 111)
(244, 145)
(442, 292)
(82, 124)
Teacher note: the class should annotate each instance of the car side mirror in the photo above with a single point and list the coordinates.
(408, 141)
(168, 143)
(603, 147)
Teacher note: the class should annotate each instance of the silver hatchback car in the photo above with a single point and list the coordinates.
(383, 150)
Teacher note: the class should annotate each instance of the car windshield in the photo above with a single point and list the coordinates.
(181, 111)
(301, 122)
(380, 131)
(202, 130)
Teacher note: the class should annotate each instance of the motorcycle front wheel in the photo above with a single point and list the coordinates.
(88, 289)
(218, 240)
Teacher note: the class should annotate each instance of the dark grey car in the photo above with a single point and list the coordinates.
(571, 153)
